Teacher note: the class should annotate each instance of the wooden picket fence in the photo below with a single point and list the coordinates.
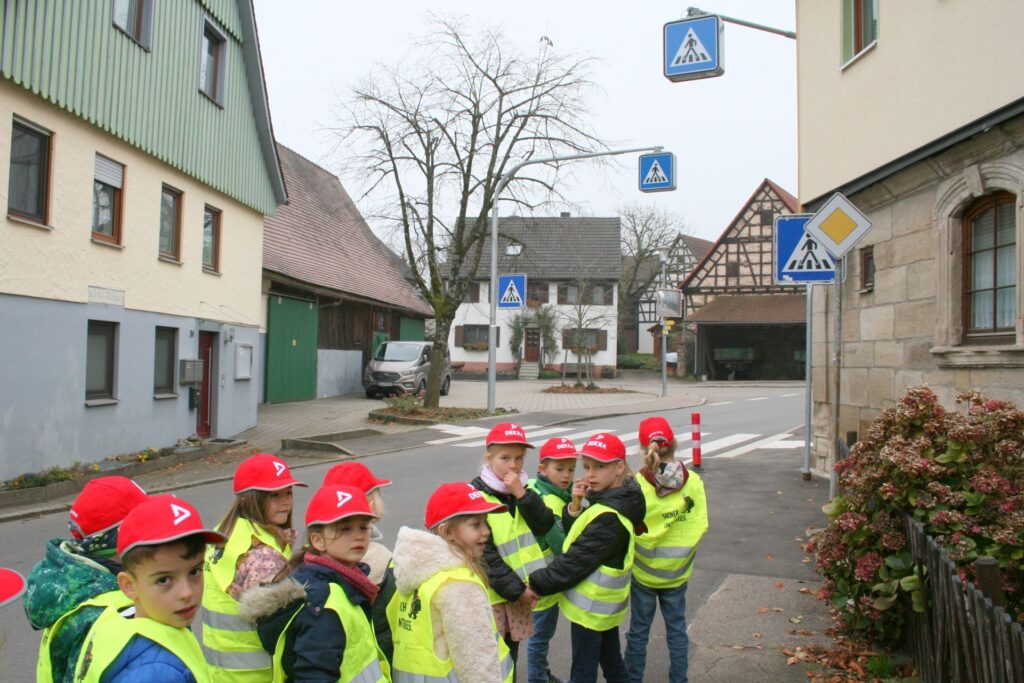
(963, 635)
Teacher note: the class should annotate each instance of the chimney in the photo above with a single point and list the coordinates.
(565, 214)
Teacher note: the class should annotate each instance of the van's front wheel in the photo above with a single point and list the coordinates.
(446, 386)
(421, 390)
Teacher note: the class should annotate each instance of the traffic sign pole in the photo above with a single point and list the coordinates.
(809, 410)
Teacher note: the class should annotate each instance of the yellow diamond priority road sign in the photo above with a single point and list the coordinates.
(838, 225)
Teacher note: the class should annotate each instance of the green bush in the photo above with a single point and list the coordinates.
(630, 361)
(961, 474)
(549, 374)
(607, 372)
(406, 404)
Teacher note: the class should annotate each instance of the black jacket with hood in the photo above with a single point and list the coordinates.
(604, 542)
(539, 518)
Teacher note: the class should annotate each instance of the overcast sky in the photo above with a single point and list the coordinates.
(727, 133)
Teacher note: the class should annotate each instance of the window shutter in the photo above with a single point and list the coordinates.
(460, 335)
(562, 294)
(109, 172)
(602, 340)
(474, 292)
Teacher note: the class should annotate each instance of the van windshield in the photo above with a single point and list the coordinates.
(398, 351)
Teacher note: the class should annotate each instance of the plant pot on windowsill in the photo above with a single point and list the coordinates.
(475, 346)
(532, 303)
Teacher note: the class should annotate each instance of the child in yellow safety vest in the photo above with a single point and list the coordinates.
(161, 544)
(441, 618)
(378, 557)
(315, 622)
(592, 573)
(260, 536)
(677, 517)
(553, 484)
(70, 587)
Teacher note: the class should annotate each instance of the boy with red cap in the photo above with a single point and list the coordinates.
(677, 517)
(592, 573)
(378, 556)
(316, 621)
(553, 484)
(77, 579)
(161, 544)
(441, 617)
(512, 550)
(260, 535)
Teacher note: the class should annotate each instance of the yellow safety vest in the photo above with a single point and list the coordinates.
(599, 601)
(412, 630)
(665, 554)
(111, 633)
(516, 544)
(231, 645)
(556, 505)
(44, 668)
(362, 660)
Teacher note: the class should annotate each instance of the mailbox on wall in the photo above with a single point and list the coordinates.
(190, 372)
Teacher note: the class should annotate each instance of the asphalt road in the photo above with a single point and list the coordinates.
(749, 442)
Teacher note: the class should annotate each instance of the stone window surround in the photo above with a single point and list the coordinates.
(952, 199)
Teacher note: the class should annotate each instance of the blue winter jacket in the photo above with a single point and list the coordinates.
(145, 661)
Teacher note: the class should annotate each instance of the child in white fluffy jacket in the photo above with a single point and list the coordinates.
(440, 617)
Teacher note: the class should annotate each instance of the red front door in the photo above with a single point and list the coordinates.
(532, 346)
(206, 342)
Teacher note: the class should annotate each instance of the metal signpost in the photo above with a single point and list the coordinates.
(692, 48)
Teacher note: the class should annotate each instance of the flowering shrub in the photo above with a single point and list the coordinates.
(961, 474)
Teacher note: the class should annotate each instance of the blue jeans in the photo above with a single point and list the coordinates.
(642, 603)
(593, 648)
(544, 623)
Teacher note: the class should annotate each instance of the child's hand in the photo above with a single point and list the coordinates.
(579, 489)
(515, 486)
(529, 598)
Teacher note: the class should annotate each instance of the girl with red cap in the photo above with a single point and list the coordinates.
(592, 573)
(260, 536)
(315, 621)
(677, 517)
(441, 620)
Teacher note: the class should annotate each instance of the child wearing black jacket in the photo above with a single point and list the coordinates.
(593, 572)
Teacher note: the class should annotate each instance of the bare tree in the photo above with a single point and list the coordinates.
(432, 142)
(584, 321)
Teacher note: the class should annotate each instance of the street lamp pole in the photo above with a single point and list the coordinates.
(492, 331)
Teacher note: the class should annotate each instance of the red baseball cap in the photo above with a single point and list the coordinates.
(655, 429)
(162, 519)
(334, 502)
(263, 472)
(454, 499)
(604, 447)
(12, 585)
(356, 474)
(508, 432)
(558, 448)
(102, 504)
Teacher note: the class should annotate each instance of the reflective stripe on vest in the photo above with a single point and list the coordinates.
(362, 660)
(412, 630)
(599, 601)
(665, 554)
(232, 646)
(516, 544)
(44, 668)
(111, 633)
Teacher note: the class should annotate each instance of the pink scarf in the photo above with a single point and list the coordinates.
(353, 575)
(491, 479)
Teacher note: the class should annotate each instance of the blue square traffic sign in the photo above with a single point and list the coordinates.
(511, 291)
(799, 256)
(657, 172)
(693, 48)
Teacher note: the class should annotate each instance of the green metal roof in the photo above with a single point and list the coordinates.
(70, 53)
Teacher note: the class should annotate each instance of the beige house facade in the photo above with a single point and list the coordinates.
(927, 140)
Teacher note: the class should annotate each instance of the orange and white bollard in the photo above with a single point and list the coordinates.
(695, 419)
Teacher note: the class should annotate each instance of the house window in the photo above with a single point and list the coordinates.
(211, 63)
(867, 268)
(599, 295)
(472, 293)
(134, 18)
(537, 291)
(165, 358)
(732, 269)
(106, 200)
(211, 239)
(475, 334)
(568, 295)
(100, 360)
(474, 337)
(593, 339)
(990, 268)
(767, 217)
(860, 27)
(28, 188)
(170, 223)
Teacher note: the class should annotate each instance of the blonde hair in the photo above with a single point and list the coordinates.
(656, 452)
(376, 503)
(252, 505)
(451, 525)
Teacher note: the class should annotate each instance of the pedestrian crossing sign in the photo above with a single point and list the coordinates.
(511, 291)
(799, 256)
(693, 48)
(657, 172)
